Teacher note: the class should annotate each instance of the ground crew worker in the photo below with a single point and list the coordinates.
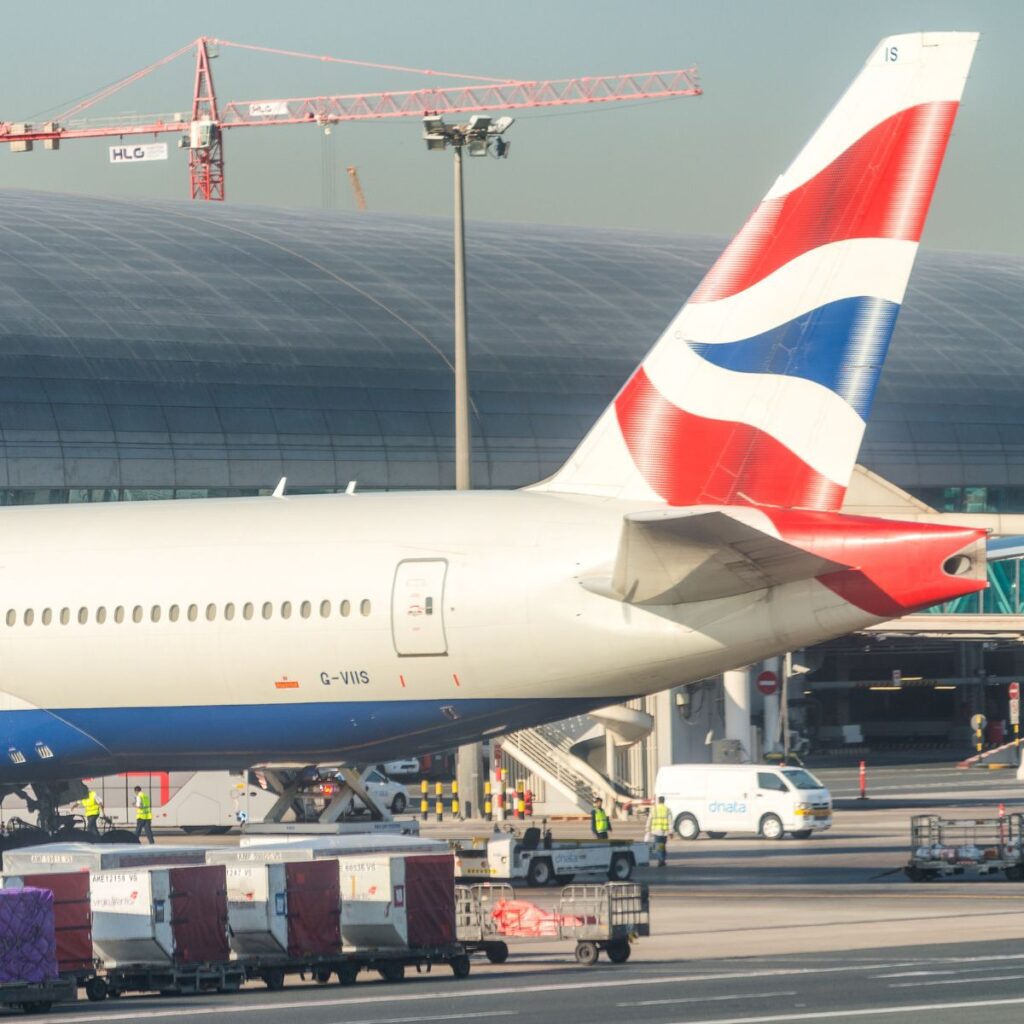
(599, 823)
(661, 825)
(143, 815)
(91, 807)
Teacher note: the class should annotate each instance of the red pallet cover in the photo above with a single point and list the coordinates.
(430, 899)
(199, 914)
(28, 947)
(72, 917)
(314, 908)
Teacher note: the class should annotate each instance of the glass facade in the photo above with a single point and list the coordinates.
(179, 350)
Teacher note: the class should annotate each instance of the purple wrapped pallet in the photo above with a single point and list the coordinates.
(28, 947)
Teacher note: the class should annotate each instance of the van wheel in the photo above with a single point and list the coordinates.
(771, 827)
(717, 835)
(803, 833)
(621, 868)
(687, 827)
(540, 872)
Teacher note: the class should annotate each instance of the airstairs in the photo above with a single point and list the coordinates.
(551, 753)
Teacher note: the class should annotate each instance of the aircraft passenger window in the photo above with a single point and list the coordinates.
(12, 617)
(29, 616)
(137, 613)
(154, 613)
(118, 614)
(305, 609)
(346, 607)
(83, 615)
(268, 609)
(211, 612)
(47, 616)
(193, 612)
(286, 609)
(65, 616)
(325, 609)
(101, 614)
(247, 610)
(172, 613)
(229, 611)
(364, 608)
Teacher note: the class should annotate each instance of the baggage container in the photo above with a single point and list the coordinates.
(361, 843)
(60, 857)
(72, 916)
(160, 916)
(287, 911)
(28, 947)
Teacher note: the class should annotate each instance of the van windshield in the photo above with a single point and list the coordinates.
(801, 779)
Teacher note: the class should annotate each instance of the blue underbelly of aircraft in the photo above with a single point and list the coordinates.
(82, 742)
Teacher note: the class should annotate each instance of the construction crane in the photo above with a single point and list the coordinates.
(357, 188)
(202, 133)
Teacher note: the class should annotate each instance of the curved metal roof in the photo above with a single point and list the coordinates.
(165, 345)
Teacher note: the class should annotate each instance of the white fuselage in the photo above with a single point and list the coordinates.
(222, 633)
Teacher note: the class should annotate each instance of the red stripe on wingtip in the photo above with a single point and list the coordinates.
(880, 187)
(690, 460)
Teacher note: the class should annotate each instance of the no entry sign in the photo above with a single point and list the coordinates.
(768, 682)
(1014, 691)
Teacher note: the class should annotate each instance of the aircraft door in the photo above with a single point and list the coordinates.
(417, 607)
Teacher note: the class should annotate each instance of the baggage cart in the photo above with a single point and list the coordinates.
(944, 847)
(37, 997)
(607, 917)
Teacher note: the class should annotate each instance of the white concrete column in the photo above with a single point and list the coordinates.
(736, 685)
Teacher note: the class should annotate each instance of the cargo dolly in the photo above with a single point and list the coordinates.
(186, 979)
(598, 917)
(943, 847)
(37, 997)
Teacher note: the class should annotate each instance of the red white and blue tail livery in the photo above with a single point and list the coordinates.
(758, 391)
(697, 528)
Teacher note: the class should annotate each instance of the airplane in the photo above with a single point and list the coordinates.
(697, 527)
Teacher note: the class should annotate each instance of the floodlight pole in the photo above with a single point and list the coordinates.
(463, 436)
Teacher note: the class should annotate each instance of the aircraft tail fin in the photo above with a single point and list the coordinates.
(758, 391)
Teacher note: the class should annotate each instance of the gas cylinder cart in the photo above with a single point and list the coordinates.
(37, 997)
(606, 917)
(539, 861)
(943, 847)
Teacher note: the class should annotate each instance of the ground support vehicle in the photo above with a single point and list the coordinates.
(347, 965)
(504, 857)
(186, 979)
(37, 997)
(606, 917)
(941, 847)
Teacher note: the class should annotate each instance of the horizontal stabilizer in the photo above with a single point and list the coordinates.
(677, 557)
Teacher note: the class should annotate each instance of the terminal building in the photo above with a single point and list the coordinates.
(174, 350)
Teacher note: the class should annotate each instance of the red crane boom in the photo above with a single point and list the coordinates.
(202, 135)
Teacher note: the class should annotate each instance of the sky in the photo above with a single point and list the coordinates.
(770, 72)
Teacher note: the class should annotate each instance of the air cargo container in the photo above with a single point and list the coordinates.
(62, 857)
(311, 847)
(71, 914)
(28, 952)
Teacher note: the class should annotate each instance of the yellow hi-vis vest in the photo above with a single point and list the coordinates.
(600, 820)
(661, 820)
(90, 805)
(144, 811)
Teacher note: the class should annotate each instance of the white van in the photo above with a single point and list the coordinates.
(760, 798)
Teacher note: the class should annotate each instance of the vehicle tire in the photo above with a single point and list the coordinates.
(391, 970)
(399, 803)
(621, 868)
(119, 835)
(347, 973)
(717, 835)
(618, 950)
(460, 965)
(564, 879)
(803, 833)
(96, 990)
(687, 827)
(321, 975)
(540, 872)
(273, 978)
(915, 874)
(496, 952)
(771, 827)
(586, 953)
(41, 1007)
